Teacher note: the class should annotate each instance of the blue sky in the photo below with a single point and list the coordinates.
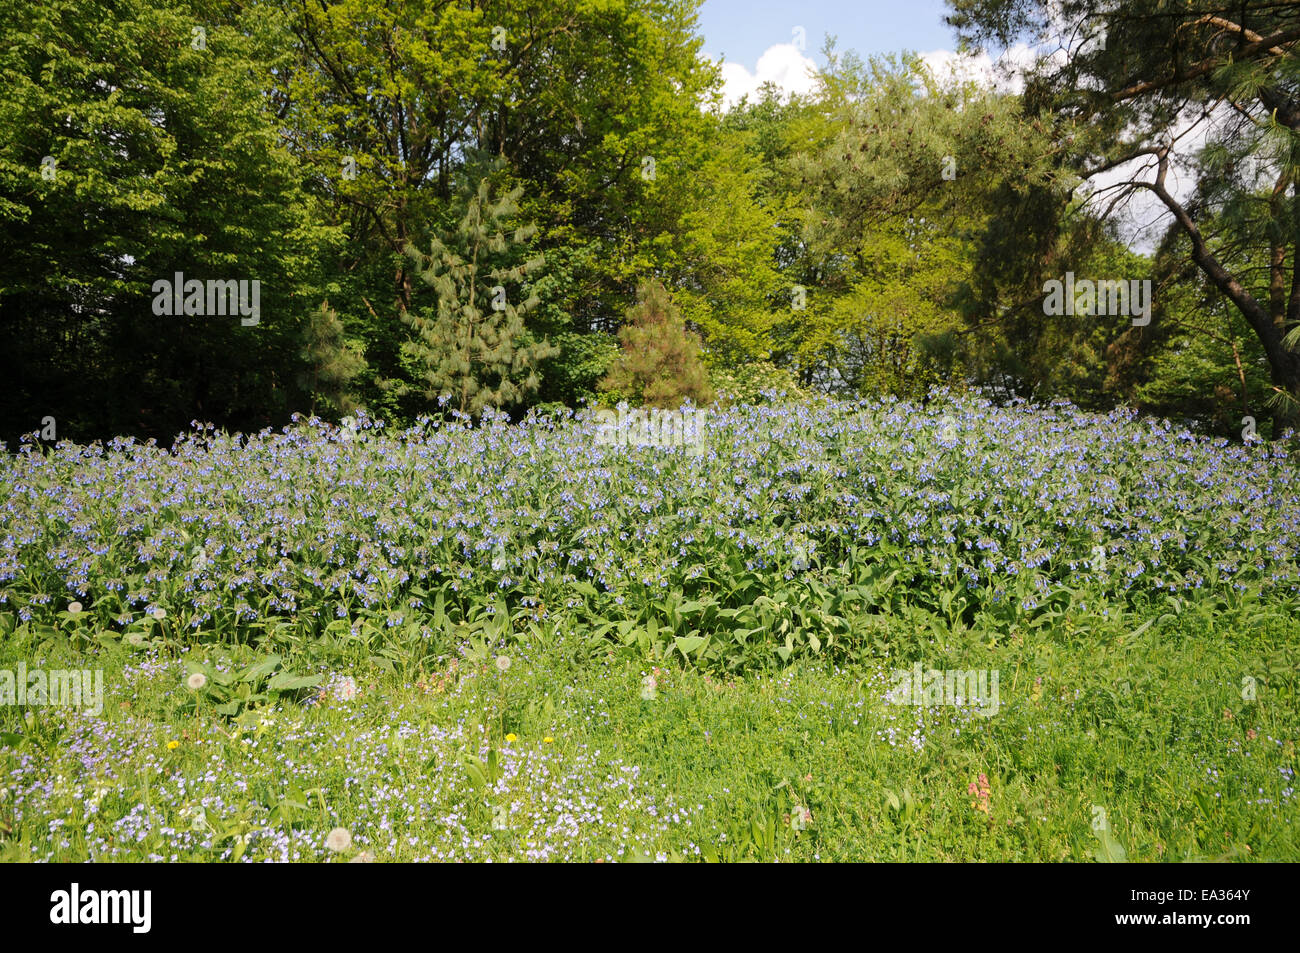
(744, 29)
(756, 40)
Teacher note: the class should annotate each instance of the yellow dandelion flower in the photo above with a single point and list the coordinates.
(512, 737)
(548, 740)
(173, 745)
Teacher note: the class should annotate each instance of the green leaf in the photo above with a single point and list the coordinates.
(264, 667)
(287, 681)
(474, 770)
(1109, 850)
(686, 644)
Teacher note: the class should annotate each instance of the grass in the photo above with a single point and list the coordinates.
(1149, 734)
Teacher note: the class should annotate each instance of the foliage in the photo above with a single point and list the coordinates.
(1145, 90)
(754, 383)
(957, 516)
(333, 364)
(491, 621)
(474, 350)
(898, 183)
(887, 232)
(131, 151)
(659, 361)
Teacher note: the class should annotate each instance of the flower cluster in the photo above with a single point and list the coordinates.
(982, 792)
(1003, 506)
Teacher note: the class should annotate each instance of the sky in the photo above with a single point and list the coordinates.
(744, 29)
(759, 38)
(764, 40)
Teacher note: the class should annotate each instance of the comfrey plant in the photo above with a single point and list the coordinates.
(965, 509)
(651, 427)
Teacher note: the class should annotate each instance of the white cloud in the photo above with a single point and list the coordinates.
(1142, 218)
(1004, 73)
(783, 64)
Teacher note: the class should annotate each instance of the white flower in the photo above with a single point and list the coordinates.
(800, 817)
(158, 612)
(338, 840)
(196, 681)
(346, 690)
(649, 688)
(503, 662)
(365, 857)
(74, 607)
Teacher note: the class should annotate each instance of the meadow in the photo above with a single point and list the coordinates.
(518, 641)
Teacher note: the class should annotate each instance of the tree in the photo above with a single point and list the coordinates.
(1138, 85)
(897, 181)
(473, 348)
(777, 134)
(659, 364)
(726, 283)
(135, 144)
(332, 364)
(876, 328)
(386, 102)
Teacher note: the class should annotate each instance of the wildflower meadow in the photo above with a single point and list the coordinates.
(669, 431)
(518, 641)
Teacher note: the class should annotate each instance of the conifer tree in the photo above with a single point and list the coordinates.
(332, 363)
(659, 364)
(473, 347)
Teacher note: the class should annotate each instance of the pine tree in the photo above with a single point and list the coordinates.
(332, 364)
(473, 348)
(659, 364)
